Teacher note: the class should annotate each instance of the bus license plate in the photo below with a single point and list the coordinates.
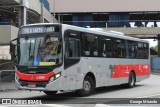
(31, 85)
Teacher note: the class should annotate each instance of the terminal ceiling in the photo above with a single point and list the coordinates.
(10, 9)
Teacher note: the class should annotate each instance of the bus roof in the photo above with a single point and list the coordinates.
(109, 33)
(91, 30)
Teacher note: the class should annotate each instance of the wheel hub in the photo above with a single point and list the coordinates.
(87, 86)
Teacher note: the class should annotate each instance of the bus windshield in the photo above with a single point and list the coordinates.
(40, 51)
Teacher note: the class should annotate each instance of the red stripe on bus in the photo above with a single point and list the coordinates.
(34, 77)
(124, 70)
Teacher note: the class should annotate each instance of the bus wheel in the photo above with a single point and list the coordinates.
(132, 80)
(50, 92)
(88, 87)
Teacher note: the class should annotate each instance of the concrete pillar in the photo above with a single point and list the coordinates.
(54, 8)
(145, 24)
(42, 14)
(13, 21)
(59, 18)
(25, 4)
(158, 46)
(155, 24)
(22, 11)
(22, 18)
(19, 16)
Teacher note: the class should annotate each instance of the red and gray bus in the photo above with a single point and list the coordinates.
(60, 57)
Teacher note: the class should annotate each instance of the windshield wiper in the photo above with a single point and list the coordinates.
(30, 49)
(39, 47)
(31, 55)
(46, 37)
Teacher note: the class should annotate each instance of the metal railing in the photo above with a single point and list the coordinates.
(7, 75)
(7, 80)
(7, 65)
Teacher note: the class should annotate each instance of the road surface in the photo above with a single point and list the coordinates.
(149, 88)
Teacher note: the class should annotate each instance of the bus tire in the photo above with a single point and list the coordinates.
(131, 80)
(88, 87)
(50, 92)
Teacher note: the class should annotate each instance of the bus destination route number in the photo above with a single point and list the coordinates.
(41, 29)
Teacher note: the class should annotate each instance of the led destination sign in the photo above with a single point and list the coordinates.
(39, 29)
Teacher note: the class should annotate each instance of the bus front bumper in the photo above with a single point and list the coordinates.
(40, 86)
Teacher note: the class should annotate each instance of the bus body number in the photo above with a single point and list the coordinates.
(40, 77)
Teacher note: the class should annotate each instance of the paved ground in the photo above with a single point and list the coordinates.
(149, 88)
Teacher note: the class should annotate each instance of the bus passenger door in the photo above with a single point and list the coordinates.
(71, 62)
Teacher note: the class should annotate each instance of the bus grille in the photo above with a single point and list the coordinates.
(38, 84)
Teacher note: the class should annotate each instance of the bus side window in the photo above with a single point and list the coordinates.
(74, 48)
(105, 47)
(90, 45)
(142, 50)
(146, 50)
(132, 49)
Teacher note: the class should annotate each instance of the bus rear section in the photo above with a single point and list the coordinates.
(97, 59)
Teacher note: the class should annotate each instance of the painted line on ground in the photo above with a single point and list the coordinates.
(149, 96)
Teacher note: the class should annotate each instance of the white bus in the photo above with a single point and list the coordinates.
(60, 57)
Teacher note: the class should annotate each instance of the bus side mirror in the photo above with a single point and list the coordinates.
(13, 46)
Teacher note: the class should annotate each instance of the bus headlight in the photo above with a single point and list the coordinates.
(56, 76)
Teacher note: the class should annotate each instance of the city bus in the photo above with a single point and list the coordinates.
(60, 58)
